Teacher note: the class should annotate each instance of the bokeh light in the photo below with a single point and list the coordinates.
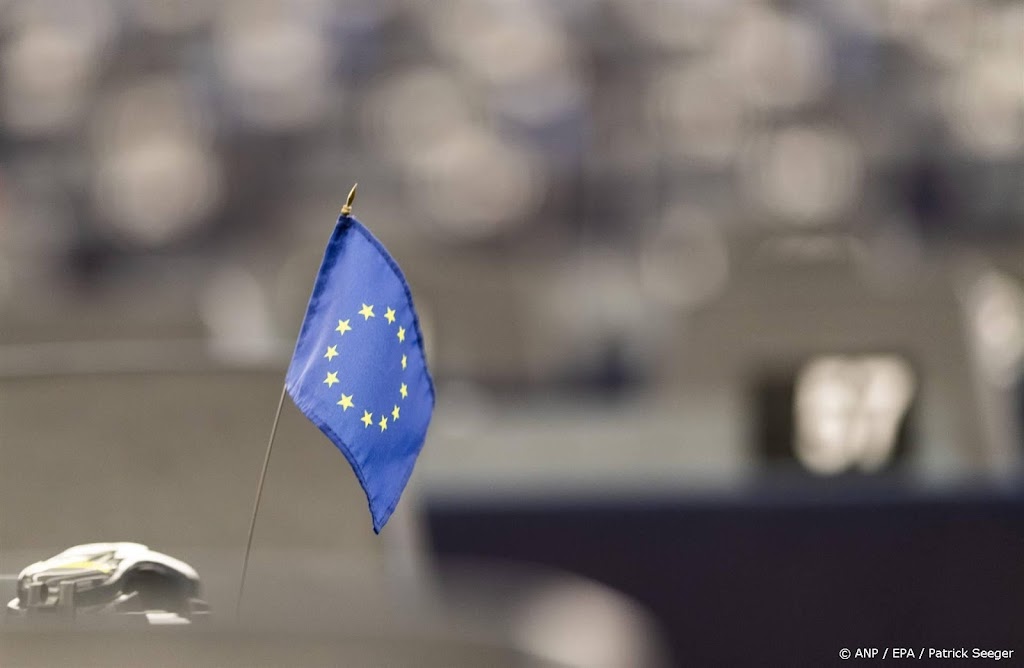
(848, 411)
(276, 64)
(157, 178)
(804, 175)
(777, 60)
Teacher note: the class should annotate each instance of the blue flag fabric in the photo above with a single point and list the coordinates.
(358, 371)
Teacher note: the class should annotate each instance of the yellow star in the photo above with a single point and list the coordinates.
(401, 333)
(389, 315)
(346, 402)
(367, 419)
(404, 390)
(332, 351)
(404, 361)
(383, 423)
(332, 378)
(394, 413)
(366, 311)
(342, 327)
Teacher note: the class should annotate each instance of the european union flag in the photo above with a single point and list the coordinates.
(358, 371)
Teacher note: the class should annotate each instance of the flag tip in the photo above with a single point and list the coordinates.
(347, 209)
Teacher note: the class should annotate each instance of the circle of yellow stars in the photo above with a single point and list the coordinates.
(347, 401)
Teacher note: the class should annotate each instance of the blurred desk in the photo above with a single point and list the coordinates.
(188, 647)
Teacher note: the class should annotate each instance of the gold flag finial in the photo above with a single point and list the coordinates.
(347, 209)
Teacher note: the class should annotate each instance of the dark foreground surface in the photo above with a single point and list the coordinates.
(766, 580)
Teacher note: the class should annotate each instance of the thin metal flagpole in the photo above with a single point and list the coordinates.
(346, 210)
(256, 505)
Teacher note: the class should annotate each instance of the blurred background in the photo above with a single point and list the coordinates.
(723, 300)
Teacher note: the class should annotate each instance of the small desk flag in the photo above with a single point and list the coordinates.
(358, 371)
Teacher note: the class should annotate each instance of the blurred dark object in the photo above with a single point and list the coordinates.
(965, 200)
(931, 196)
(777, 577)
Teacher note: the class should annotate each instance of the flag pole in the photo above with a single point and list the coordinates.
(346, 210)
(256, 505)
